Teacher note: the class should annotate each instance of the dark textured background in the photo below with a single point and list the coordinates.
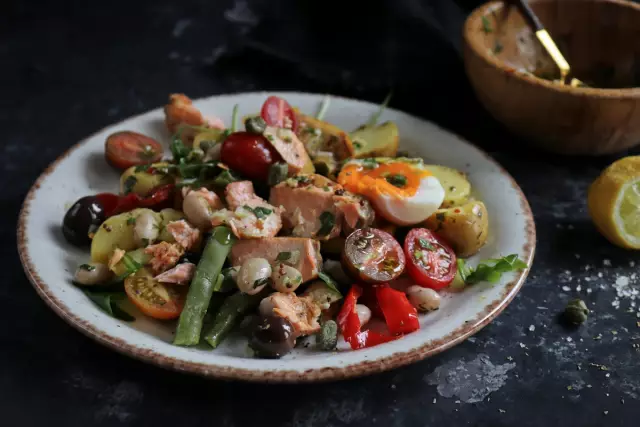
(71, 68)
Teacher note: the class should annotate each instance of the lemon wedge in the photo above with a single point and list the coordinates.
(614, 202)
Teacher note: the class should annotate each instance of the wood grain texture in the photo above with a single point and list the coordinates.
(599, 38)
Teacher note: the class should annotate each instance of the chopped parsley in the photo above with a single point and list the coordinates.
(283, 256)
(369, 163)
(129, 183)
(328, 280)
(397, 180)
(131, 220)
(486, 25)
(259, 212)
(327, 222)
(87, 267)
(497, 47)
(425, 244)
(261, 282)
(357, 144)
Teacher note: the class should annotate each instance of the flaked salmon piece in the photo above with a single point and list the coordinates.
(248, 216)
(181, 111)
(180, 274)
(301, 312)
(304, 253)
(183, 233)
(289, 147)
(355, 210)
(164, 255)
(305, 199)
(117, 255)
(241, 193)
(212, 199)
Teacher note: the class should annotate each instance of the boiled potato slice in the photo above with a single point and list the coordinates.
(116, 232)
(167, 216)
(375, 141)
(144, 182)
(456, 186)
(464, 227)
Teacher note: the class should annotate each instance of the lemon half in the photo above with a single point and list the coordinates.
(614, 202)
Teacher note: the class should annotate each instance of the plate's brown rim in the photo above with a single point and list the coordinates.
(395, 360)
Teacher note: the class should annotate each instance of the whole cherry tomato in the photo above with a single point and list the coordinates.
(430, 261)
(125, 149)
(275, 110)
(249, 154)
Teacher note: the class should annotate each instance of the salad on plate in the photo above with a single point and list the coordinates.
(286, 227)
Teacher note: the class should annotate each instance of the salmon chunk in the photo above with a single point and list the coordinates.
(304, 254)
(163, 256)
(301, 312)
(183, 233)
(312, 202)
(248, 216)
(181, 111)
(290, 148)
(179, 275)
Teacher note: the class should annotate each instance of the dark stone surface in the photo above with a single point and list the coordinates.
(71, 68)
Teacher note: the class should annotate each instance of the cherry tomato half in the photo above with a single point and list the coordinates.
(125, 149)
(372, 256)
(249, 154)
(275, 109)
(154, 298)
(431, 263)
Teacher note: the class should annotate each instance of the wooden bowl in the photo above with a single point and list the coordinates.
(601, 41)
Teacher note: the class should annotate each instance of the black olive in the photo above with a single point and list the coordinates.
(273, 337)
(83, 218)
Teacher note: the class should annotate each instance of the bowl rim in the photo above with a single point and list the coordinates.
(470, 27)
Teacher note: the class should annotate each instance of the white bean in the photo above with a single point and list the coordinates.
(197, 210)
(423, 299)
(146, 229)
(253, 272)
(266, 306)
(285, 278)
(364, 314)
(92, 273)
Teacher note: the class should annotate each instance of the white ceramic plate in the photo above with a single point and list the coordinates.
(50, 261)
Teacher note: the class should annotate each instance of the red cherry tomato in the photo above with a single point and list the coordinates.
(275, 109)
(249, 154)
(126, 149)
(431, 263)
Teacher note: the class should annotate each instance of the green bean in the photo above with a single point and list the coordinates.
(230, 314)
(202, 286)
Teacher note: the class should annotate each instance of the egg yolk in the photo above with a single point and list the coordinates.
(395, 179)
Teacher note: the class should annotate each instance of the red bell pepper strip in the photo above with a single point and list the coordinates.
(349, 324)
(400, 316)
(114, 204)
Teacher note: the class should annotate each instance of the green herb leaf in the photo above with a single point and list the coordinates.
(490, 270)
(259, 211)
(425, 244)
(87, 267)
(369, 163)
(106, 301)
(131, 220)
(497, 47)
(327, 222)
(486, 25)
(417, 254)
(329, 282)
(324, 106)
(260, 282)
(130, 264)
(129, 183)
(374, 118)
(178, 149)
(234, 119)
(397, 180)
(143, 168)
(225, 178)
(283, 256)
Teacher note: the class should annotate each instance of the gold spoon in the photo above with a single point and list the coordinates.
(547, 42)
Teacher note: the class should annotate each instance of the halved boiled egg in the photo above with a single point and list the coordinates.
(401, 190)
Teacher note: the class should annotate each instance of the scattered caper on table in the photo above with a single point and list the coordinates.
(576, 311)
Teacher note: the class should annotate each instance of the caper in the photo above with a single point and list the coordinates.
(255, 125)
(277, 173)
(576, 311)
(327, 338)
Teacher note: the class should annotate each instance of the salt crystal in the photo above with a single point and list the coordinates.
(600, 274)
(606, 262)
(589, 290)
(532, 328)
(587, 279)
(569, 339)
(570, 226)
(577, 256)
(622, 281)
(567, 272)
(632, 263)
(566, 288)
(578, 288)
(522, 345)
(434, 400)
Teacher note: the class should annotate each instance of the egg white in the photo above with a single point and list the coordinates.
(414, 209)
